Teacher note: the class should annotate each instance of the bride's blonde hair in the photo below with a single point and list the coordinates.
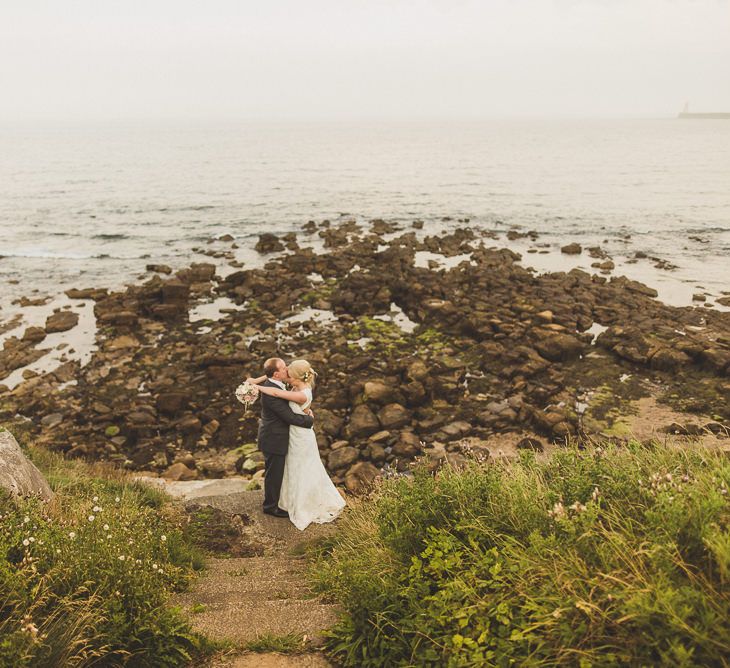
(302, 370)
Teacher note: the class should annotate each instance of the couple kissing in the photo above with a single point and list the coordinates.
(296, 484)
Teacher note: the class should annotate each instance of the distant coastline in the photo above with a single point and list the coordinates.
(707, 114)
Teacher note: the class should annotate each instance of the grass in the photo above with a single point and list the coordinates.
(85, 579)
(607, 557)
(291, 643)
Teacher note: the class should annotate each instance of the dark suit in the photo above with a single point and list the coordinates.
(273, 441)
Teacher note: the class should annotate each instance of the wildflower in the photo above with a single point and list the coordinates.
(26, 519)
(108, 535)
(72, 534)
(121, 557)
(32, 539)
(58, 550)
(668, 477)
(91, 518)
(163, 538)
(26, 542)
(96, 498)
(595, 494)
(117, 499)
(97, 509)
(106, 527)
(154, 567)
(557, 511)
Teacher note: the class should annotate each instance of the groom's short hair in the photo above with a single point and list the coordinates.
(271, 366)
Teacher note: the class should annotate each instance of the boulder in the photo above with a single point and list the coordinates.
(380, 392)
(18, 475)
(668, 359)
(172, 402)
(269, 243)
(360, 477)
(530, 444)
(328, 422)
(362, 422)
(179, 471)
(417, 371)
(34, 334)
(159, 268)
(393, 416)
(175, 292)
(339, 459)
(558, 347)
(61, 321)
(572, 249)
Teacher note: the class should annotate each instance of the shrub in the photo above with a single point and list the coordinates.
(84, 579)
(608, 557)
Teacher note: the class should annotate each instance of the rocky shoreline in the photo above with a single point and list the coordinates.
(438, 346)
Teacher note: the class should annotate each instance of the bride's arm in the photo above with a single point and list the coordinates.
(297, 397)
(256, 381)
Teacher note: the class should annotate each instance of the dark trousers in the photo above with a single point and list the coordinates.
(273, 475)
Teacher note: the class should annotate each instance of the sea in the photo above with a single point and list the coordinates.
(91, 204)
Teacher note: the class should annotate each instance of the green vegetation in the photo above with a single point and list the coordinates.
(602, 558)
(85, 579)
(291, 643)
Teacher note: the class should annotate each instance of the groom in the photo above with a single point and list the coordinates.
(273, 440)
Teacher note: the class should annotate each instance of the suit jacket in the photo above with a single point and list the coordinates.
(276, 416)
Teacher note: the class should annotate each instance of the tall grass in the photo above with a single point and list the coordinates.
(595, 558)
(84, 579)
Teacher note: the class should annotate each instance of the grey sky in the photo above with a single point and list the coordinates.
(342, 59)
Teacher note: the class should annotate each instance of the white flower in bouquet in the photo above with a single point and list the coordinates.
(246, 393)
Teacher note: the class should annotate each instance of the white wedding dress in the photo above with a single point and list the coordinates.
(307, 493)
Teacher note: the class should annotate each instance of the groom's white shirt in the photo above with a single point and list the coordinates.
(278, 383)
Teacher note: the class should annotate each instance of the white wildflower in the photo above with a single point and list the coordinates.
(26, 542)
(106, 527)
(91, 518)
(72, 534)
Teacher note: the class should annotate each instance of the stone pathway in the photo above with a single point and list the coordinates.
(242, 599)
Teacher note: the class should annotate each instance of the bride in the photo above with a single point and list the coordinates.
(307, 492)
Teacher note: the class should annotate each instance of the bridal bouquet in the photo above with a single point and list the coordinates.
(246, 393)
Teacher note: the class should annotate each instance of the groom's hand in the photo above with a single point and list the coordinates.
(309, 412)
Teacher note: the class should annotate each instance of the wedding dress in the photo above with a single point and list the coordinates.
(307, 493)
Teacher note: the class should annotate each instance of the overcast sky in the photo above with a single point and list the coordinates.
(352, 59)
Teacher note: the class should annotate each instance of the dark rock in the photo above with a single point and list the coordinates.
(179, 471)
(61, 321)
(393, 416)
(571, 249)
(269, 243)
(34, 334)
(362, 422)
(339, 459)
(159, 268)
(361, 477)
(530, 444)
(172, 402)
(559, 347)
